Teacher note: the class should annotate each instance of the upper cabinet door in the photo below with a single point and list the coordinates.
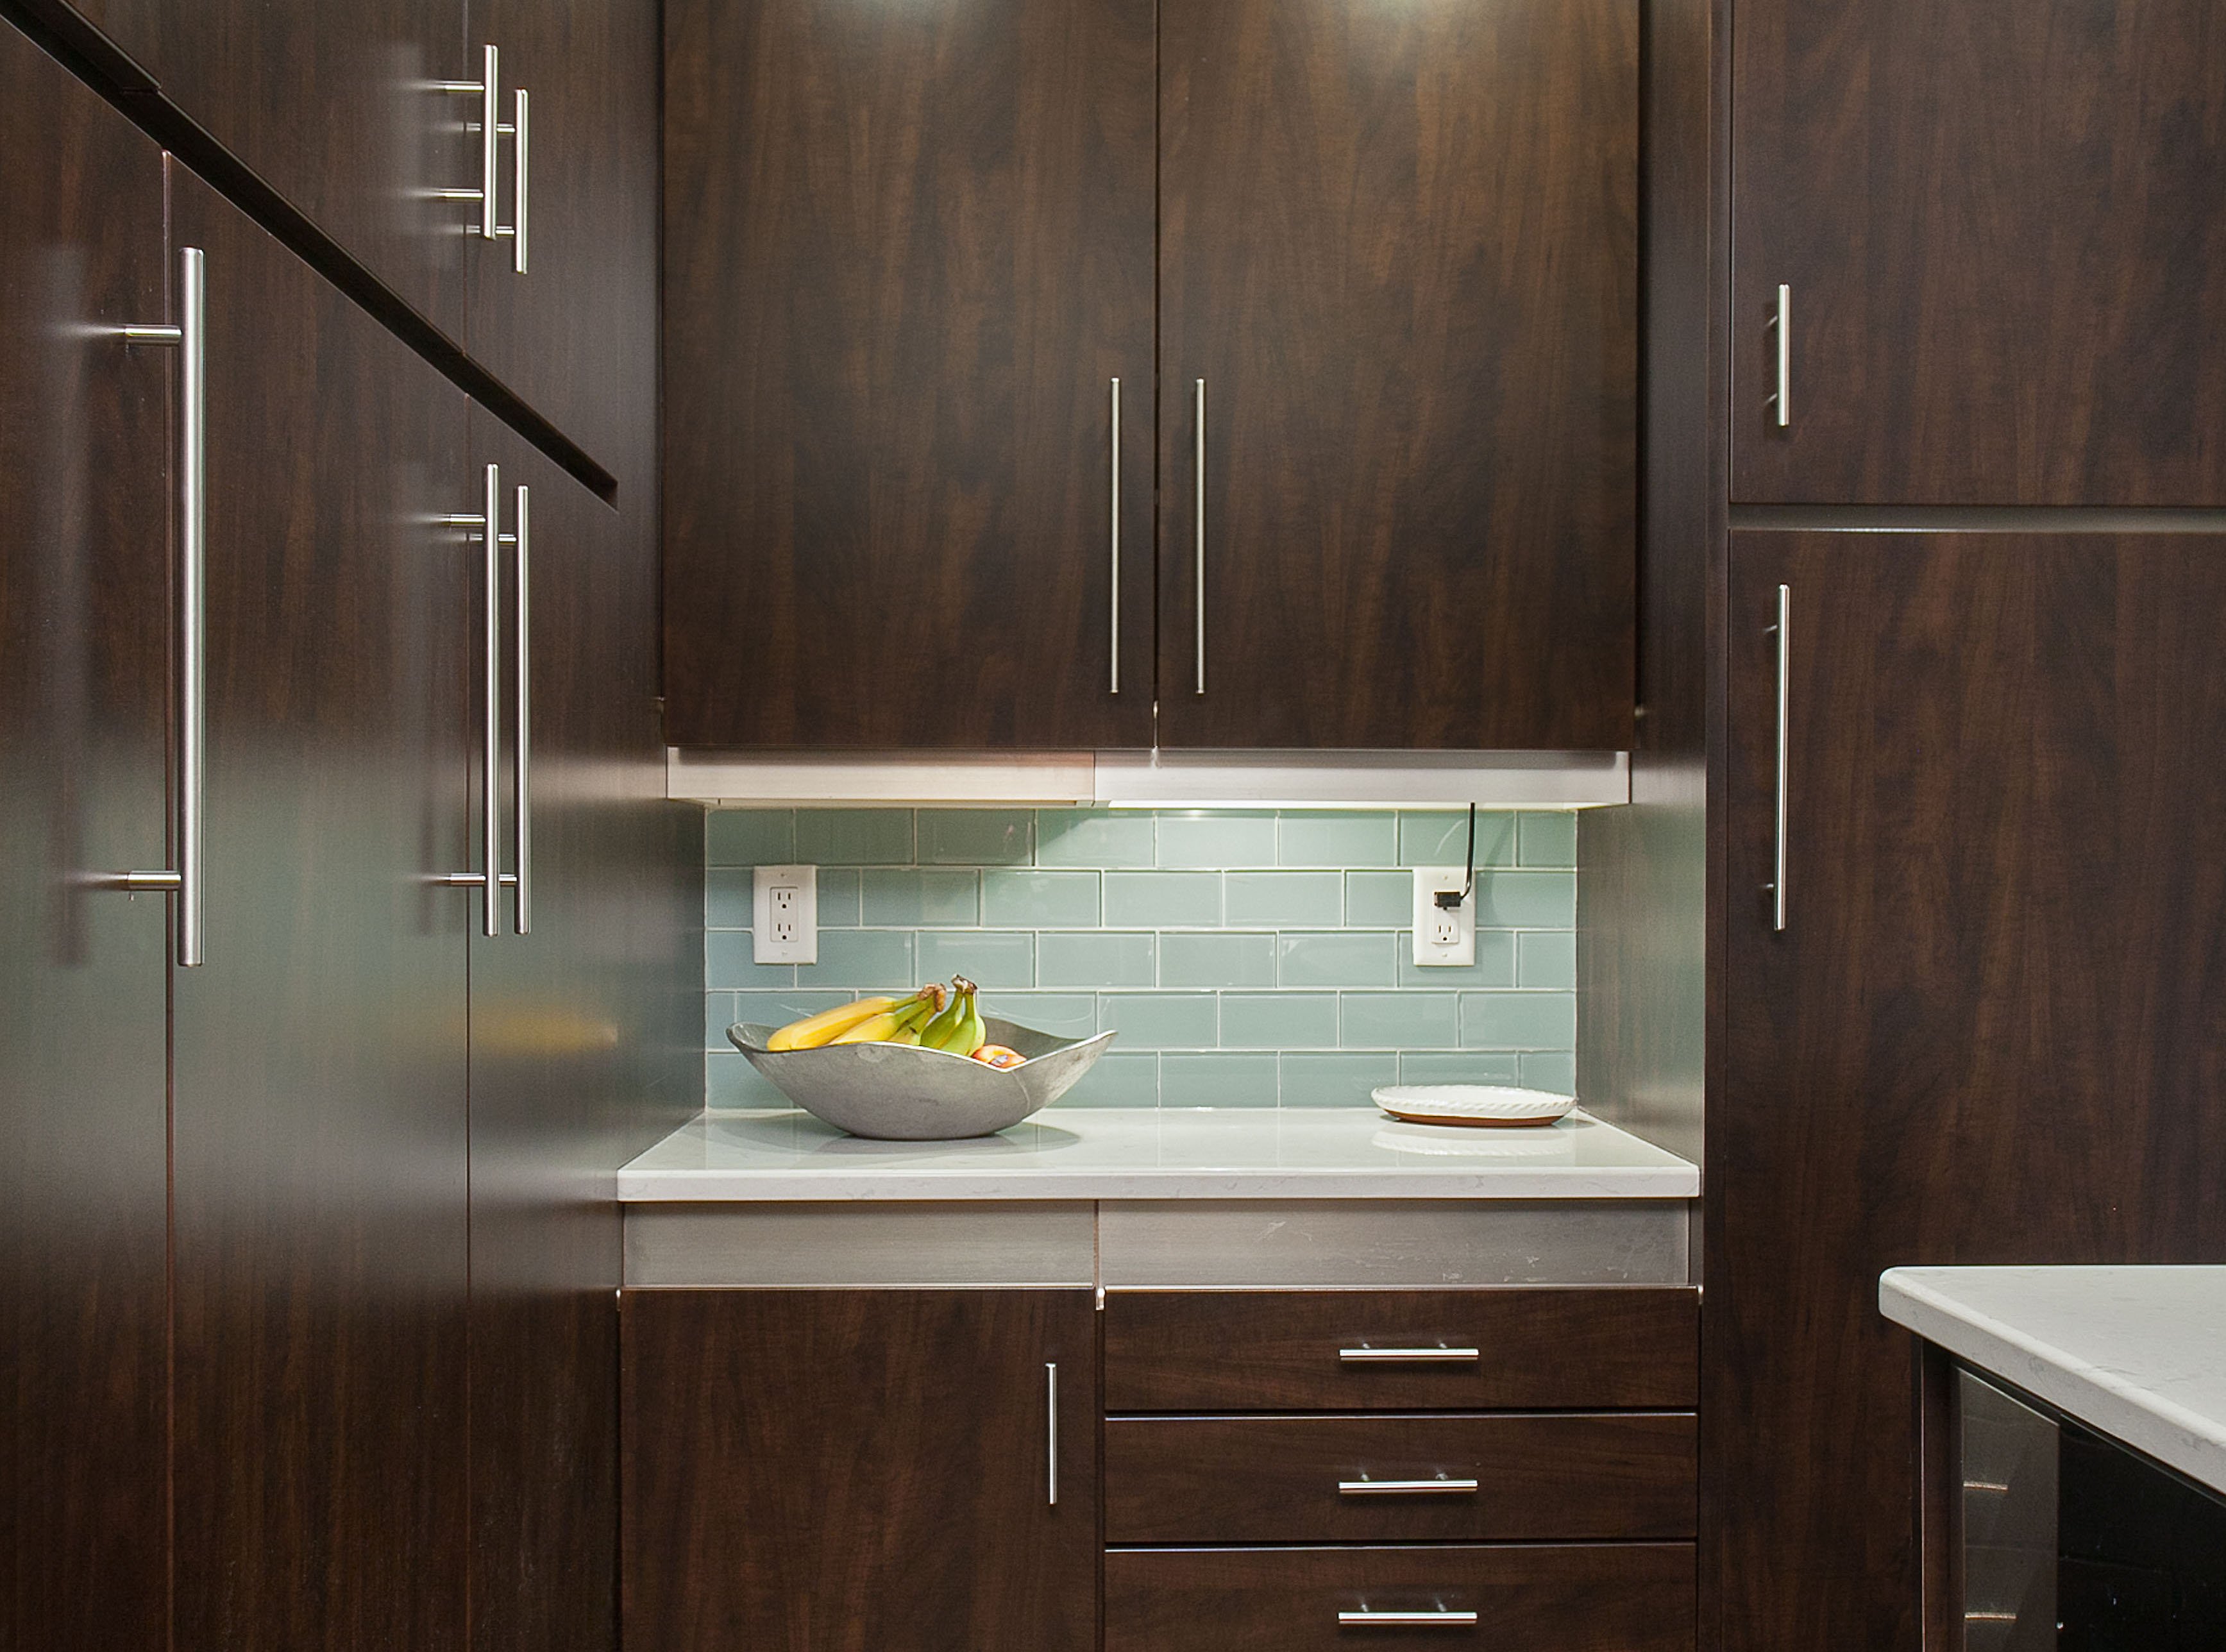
(563, 307)
(2000, 232)
(1398, 310)
(908, 251)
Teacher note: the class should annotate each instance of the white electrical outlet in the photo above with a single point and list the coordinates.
(1444, 936)
(784, 914)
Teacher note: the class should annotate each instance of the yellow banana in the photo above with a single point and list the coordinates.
(889, 1023)
(815, 1030)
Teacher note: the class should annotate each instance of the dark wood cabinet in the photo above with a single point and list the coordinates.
(1999, 233)
(907, 251)
(85, 613)
(320, 1225)
(840, 1470)
(1988, 1030)
(1398, 247)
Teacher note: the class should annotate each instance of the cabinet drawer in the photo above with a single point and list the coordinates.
(1306, 1479)
(1407, 1350)
(1561, 1597)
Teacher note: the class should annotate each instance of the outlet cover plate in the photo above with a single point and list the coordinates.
(1443, 938)
(784, 914)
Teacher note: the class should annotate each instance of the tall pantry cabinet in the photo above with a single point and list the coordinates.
(307, 1300)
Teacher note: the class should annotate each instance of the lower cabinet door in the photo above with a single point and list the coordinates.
(1525, 1597)
(860, 1470)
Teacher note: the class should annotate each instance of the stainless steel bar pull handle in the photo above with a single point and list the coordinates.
(492, 129)
(521, 803)
(1199, 508)
(1783, 632)
(1114, 513)
(1051, 1441)
(521, 183)
(1440, 1487)
(1365, 1356)
(489, 524)
(1783, 326)
(188, 880)
(1434, 1619)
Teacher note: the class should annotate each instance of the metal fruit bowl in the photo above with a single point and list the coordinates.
(899, 1092)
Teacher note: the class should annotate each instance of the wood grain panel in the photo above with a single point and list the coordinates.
(1624, 1597)
(1399, 245)
(83, 654)
(1275, 1479)
(1990, 1032)
(2001, 227)
(319, 1237)
(1278, 1351)
(907, 250)
(850, 1471)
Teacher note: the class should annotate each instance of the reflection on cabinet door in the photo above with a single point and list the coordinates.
(908, 250)
(1989, 1032)
(85, 622)
(339, 108)
(848, 1471)
(2001, 232)
(1398, 343)
(319, 1226)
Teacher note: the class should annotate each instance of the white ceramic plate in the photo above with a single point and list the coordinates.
(1486, 1104)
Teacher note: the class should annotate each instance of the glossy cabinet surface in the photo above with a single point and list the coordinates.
(2000, 229)
(1399, 245)
(85, 629)
(907, 253)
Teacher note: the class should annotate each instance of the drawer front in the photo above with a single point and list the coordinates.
(1627, 1597)
(1382, 1478)
(1510, 1348)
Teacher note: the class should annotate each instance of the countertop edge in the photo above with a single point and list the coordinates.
(790, 1187)
(2189, 1441)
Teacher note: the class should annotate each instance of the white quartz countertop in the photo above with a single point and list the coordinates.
(1147, 1153)
(2135, 1353)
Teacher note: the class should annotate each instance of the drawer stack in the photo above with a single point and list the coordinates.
(1289, 1469)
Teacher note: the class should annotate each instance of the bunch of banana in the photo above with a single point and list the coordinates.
(869, 1021)
(957, 1029)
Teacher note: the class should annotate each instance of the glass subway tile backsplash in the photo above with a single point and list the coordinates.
(1246, 959)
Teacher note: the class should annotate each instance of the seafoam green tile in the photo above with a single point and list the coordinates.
(1333, 1080)
(1407, 1020)
(779, 1009)
(1460, 1067)
(1042, 900)
(730, 1081)
(1121, 1078)
(1554, 1069)
(1336, 958)
(1494, 965)
(1527, 899)
(1546, 958)
(986, 957)
(1072, 1015)
(853, 836)
(1170, 899)
(728, 961)
(908, 900)
(1379, 900)
(1103, 959)
(1518, 1020)
(1278, 1020)
(1215, 839)
(1310, 839)
(1216, 960)
(876, 960)
(1100, 837)
(1546, 840)
(1442, 839)
(1218, 1079)
(749, 837)
(726, 891)
(976, 837)
(1282, 899)
(718, 1016)
(838, 897)
(1160, 1021)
